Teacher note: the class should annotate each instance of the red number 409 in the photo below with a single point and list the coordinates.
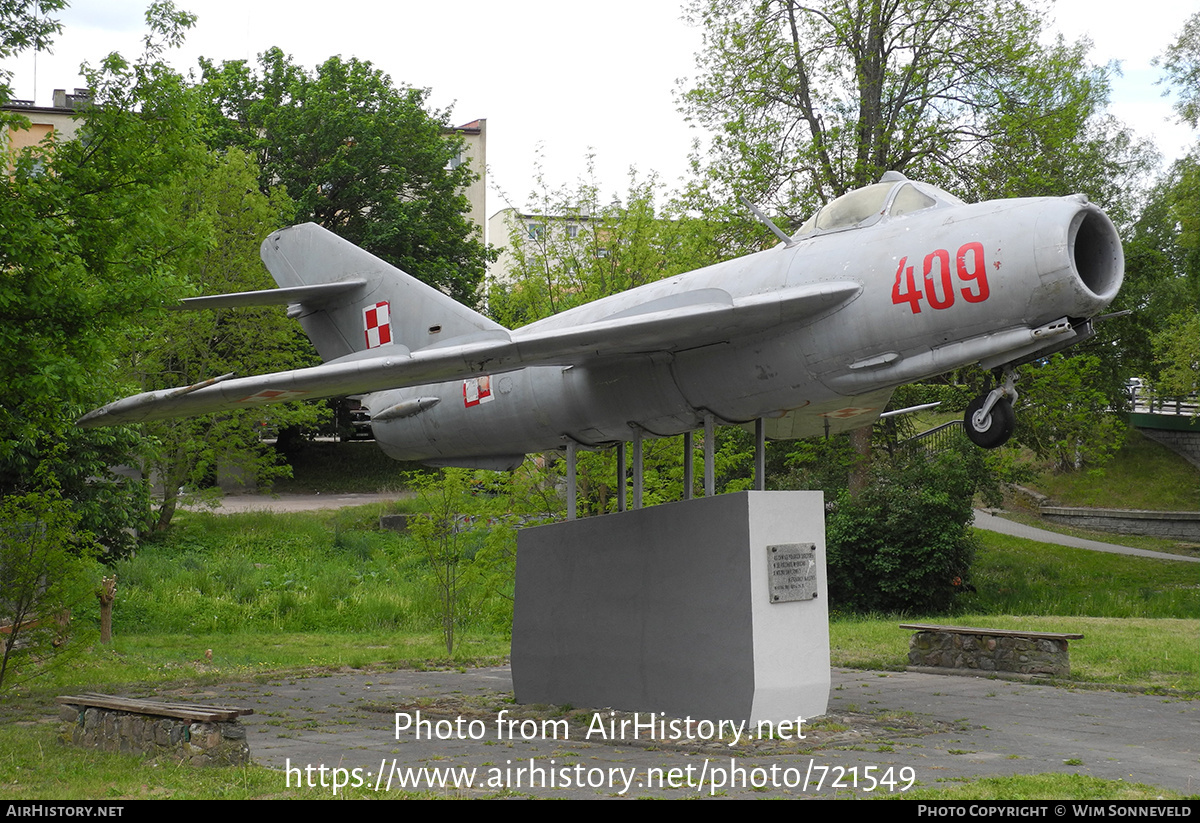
(939, 279)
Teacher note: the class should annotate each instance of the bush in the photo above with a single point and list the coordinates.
(903, 544)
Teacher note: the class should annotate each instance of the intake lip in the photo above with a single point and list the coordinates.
(1095, 251)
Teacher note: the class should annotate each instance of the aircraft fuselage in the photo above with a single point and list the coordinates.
(938, 290)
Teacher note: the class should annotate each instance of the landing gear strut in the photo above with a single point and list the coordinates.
(990, 420)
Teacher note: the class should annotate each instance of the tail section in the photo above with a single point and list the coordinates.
(384, 306)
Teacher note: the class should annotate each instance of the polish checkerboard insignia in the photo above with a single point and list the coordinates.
(377, 324)
(477, 390)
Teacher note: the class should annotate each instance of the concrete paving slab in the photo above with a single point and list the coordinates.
(900, 727)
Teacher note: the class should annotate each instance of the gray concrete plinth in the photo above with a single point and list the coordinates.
(668, 609)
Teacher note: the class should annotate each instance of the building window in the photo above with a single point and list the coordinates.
(536, 230)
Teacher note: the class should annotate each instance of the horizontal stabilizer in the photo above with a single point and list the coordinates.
(312, 295)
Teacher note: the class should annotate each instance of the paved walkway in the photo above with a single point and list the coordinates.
(992, 523)
(235, 503)
(904, 725)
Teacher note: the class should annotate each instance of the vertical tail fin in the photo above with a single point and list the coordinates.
(389, 308)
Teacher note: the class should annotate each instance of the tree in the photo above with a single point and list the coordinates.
(1165, 261)
(1182, 64)
(85, 247)
(360, 156)
(221, 200)
(1178, 349)
(807, 101)
(24, 24)
(47, 571)
(1051, 135)
(570, 247)
(1066, 414)
(448, 544)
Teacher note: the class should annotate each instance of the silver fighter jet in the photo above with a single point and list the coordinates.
(889, 284)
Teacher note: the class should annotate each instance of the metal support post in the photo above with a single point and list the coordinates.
(571, 507)
(621, 476)
(689, 465)
(637, 468)
(710, 452)
(760, 454)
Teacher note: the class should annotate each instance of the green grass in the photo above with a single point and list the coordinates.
(1142, 475)
(1140, 653)
(141, 662)
(305, 572)
(34, 765)
(923, 421)
(1018, 576)
(1138, 616)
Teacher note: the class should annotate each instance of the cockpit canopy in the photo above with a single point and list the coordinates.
(893, 196)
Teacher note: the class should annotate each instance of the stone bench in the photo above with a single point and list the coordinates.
(989, 651)
(189, 733)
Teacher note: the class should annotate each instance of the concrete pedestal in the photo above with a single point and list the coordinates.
(669, 609)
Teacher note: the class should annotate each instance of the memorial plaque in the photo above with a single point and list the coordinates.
(792, 571)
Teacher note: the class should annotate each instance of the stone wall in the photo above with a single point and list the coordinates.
(200, 744)
(1184, 443)
(1171, 525)
(989, 653)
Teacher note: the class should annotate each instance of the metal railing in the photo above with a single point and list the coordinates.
(1144, 401)
(938, 439)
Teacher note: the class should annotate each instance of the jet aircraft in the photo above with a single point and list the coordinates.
(892, 283)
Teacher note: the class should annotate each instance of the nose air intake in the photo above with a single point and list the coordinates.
(1096, 254)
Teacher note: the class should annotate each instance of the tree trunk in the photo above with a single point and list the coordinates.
(860, 472)
(107, 593)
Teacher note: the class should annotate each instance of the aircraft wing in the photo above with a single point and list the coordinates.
(682, 321)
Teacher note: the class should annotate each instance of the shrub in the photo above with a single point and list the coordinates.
(903, 544)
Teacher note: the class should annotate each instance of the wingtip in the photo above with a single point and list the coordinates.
(93, 419)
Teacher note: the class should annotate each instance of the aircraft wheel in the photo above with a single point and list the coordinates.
(993, 430)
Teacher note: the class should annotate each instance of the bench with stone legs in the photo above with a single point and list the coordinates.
(968, 650)
(190, 733)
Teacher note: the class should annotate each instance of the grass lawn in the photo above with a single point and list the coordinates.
(1142, 475)
(1146, 654)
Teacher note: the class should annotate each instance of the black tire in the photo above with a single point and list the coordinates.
(996, 428)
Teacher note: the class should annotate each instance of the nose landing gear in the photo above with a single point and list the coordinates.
(990, 420)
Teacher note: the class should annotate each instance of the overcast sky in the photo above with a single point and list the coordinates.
(571, 77)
